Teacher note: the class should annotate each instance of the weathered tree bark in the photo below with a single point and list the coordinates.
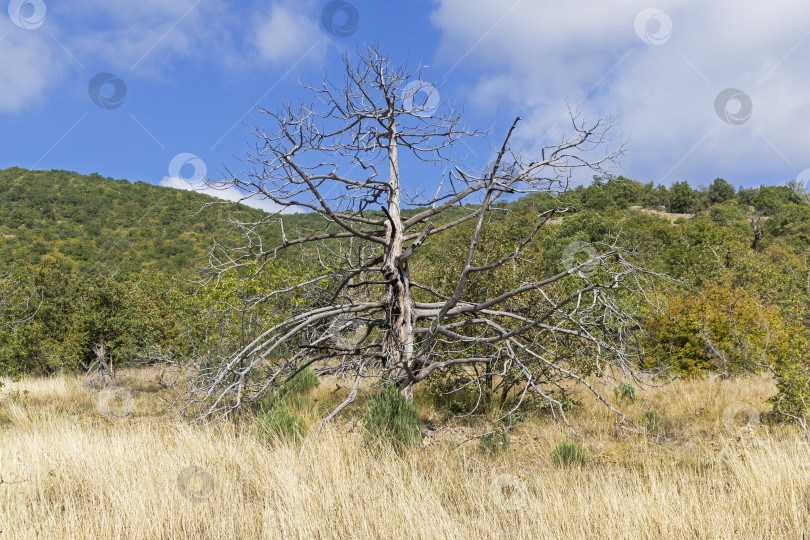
(99, 370)
(398, 345)
(100, 351)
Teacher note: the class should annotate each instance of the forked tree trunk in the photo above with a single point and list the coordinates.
(101, 357)
(399, 316)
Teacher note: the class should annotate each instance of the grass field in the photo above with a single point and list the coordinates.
(72, 469)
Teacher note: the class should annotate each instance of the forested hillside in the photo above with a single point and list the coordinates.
(95, 259)
(106, 225)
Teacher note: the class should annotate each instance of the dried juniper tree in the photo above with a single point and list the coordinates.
(369, 309)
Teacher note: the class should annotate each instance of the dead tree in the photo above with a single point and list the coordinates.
(99, 371)
(755, 221)
(350, 156)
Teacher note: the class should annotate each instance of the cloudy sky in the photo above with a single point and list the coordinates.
(154, 90)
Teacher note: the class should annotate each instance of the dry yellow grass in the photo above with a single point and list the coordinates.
(70, 472)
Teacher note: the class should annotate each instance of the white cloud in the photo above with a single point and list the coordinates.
(143, 35)
(153, 33)
(226, 193)
(284, 35)
(146, 37)
(588, 52)
(29, 66)
(150, 33)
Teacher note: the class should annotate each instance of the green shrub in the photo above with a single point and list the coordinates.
(390, 419)
(450, 391)
(494, 441)
(625, 391)
(653, 422)
(303, 383)
(569, 454)
(540, 404)
(793, 378)
(279, 415)
(280, 423)
(294, 393)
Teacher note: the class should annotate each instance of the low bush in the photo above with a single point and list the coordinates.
(653, 422)
(495, 441)
(569, 454)
(625, 391)
(391, 420)
(303, 383)
(280, 423)
(279, 415)
(295, 392)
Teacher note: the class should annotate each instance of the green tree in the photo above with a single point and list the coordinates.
(723, 328)
(50, 341)
(720, 191)
(682, 198)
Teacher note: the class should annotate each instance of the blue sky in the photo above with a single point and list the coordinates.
(698, 90)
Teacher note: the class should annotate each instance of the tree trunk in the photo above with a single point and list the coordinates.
(399, 316)
(101, 356)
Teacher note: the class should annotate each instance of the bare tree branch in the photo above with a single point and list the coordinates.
(370, 306)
